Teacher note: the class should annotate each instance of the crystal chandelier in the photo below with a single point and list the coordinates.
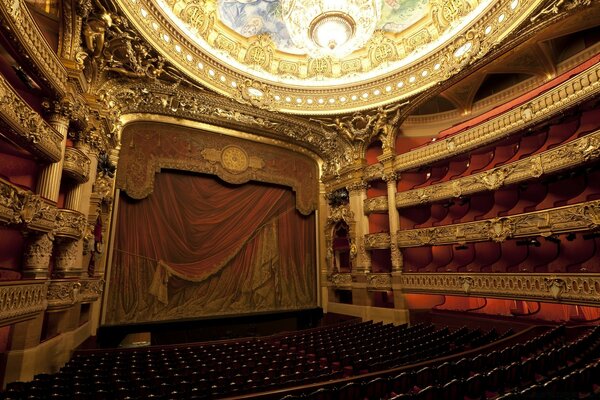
(330, 27)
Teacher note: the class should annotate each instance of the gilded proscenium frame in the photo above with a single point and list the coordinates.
(566, 156)
(416, 76)
(577, 217)
(26, 127)
(19, 26)
(582, 289)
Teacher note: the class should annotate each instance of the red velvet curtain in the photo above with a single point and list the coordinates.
(218, 248)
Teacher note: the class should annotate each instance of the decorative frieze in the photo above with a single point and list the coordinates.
(76, 165)
(377, 241)
(373, 172)
(70, 224)
(26, 126)
(548, 104)
(379, 281)
(340, 281)
(582, 216)
(21, 29)
(564, 288)
(20, 300)
(63, 294)
(91, 290)
(568, 155)
(376, 204)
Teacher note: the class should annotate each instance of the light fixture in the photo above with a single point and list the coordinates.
(330, 27)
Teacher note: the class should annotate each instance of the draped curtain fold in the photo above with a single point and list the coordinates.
(235, 248)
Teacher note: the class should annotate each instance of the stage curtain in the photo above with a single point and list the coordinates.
(197, 246)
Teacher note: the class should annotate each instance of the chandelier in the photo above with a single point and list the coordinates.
(330, 27)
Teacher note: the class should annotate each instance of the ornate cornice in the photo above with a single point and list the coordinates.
(124, 98)
(91, 290)
(377, 241)
(26, 126)
(568, 155)
(379, 281)
(376, 205)
(63, 294)
(341, 281)
(548, 104)
(563, 288)
(76, 165)
(70, 224)
(21, 29)
(582, 216)
(21, 300)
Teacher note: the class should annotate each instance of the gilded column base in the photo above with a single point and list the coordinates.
(65, 263)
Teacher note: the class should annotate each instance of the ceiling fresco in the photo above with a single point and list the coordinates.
(253, 17)
(241, 49)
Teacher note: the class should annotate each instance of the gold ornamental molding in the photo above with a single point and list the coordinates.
(19, 26)
(379, 281)
(91, 290)
(545, 106)
(21, 300)
(562, 288)
(70, 224)
(451, 35)
(578, 217)
(568, 155)
(26, 126)
(340, 281)
(76, 165)
(20, 207)
(377, 204)
(377, 241)
(63, 294)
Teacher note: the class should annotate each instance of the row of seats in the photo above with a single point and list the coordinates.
(566, 253)
(519, 146)
(248, 366)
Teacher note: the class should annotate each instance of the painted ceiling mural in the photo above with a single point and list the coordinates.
(253, 17)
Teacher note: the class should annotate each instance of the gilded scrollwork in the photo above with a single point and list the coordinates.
(379, 281)
(63, 293)
(76, 164)
(340, 280)
(566, 156)
(564, 288)
(70, 224)
(377, 241)
(27, 126)
(583, 216)
(341, 213)
(376, 204)
(21, 300)
(91, 290)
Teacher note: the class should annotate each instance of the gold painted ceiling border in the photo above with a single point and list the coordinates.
(566, 156)
(557, 288)
(576, 90)
(20, 27)
(471, 44)
(28, 128)
(577, 217)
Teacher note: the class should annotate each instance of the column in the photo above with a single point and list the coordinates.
(39, 249)
(361, 262)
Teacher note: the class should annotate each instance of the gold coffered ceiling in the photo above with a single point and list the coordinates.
(253, 64)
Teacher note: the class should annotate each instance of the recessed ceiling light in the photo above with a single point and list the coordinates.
(222, 78)
(424, 73)
(411, 79)
(321, 101)
(331, 100)
(166, 38)
(211, 72)
(178, 48)
(189, 58)
(155, 26)
(288, 99)
(377, 92)
(342, 99)
(354, 97)
(488, 29)
(144, 12)
(501, 17)
(388, 88)
(298, 100)
(233, 84)
(514, 4)
(200, 65)
(437, 66)
(277, 97)
(310, 101)
(400, 84)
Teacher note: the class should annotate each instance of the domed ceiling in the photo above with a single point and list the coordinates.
(246, 49)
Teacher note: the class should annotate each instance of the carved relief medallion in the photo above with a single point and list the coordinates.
(234, 159)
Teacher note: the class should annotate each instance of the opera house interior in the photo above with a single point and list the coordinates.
(318, 199)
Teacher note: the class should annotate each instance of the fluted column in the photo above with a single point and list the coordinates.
(393, 215)
(361, 262)
(39, 249)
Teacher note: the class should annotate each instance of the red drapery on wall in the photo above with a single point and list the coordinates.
(218, 248)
